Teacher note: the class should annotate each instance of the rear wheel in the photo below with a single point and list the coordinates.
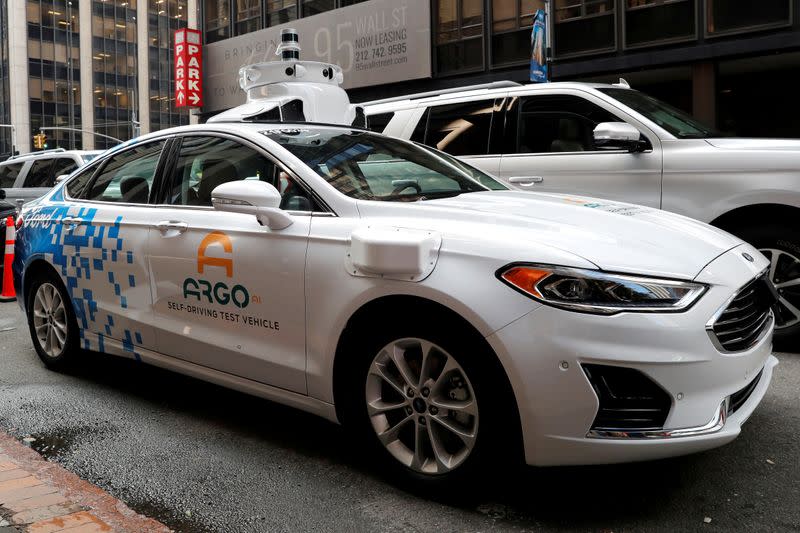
(51, 321)
(781, 245)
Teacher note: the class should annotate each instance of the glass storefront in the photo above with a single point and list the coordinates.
(5, 96)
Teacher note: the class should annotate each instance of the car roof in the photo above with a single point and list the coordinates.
(390, 104)
(47, 154)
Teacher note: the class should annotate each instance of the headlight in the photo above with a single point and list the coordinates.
(592, 291)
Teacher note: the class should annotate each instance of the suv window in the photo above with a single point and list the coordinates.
(557, 123)
(461, 129)
(127, 176)
(207, 162)
(63, 165)
(9, 173)
(39, 175)
(378, 123)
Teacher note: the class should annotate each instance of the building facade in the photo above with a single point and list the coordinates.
(726, 61)
(97, 70)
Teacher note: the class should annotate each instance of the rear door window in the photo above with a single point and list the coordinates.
(39, 175)
(127, 177)
(9, 173)
(63, 165)
(378, 123)
(461, 129)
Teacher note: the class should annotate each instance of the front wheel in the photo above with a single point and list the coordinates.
(781, 245)
(52, 323)
(433, 405)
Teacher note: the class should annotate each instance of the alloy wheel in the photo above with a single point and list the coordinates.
(784, 272)
(50, 319)
(422, 406)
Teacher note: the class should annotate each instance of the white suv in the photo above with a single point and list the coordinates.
(29, 176)
(610, 141)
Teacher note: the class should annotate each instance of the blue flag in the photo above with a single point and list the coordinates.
(539, 47)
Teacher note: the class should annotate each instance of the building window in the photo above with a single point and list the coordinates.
(656, 21)
(459, 36)
(248, 16)
(281, 11)
(583, 27)
(217, 20)
(512, 21)
(746, 15)
(54, 70)
(314, 7)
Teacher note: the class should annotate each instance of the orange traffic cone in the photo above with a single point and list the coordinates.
(8, 294)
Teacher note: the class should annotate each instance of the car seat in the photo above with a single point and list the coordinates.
(134, 190)
(569, 136)
(215, 173)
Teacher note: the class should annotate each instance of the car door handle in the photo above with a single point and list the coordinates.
(525, 181)
(166, 225)
(71, 221)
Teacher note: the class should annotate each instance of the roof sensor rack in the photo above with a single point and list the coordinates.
(291, 90)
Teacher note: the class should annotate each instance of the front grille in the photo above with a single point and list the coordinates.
(738, 398)
(629, 400)
(748, 315)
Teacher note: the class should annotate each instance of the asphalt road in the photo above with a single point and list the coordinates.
(203, 458)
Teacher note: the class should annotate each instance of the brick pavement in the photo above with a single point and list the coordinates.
(38, 496)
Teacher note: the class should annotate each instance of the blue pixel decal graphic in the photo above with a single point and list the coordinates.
(91, 258)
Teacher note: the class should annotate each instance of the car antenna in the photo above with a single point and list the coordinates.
(291, 90)
(622, 83)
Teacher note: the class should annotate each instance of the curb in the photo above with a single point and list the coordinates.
(42, 497)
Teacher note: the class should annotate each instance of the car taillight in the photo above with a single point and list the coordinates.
(18, 222)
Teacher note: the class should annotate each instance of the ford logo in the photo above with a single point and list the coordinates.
(748, 257)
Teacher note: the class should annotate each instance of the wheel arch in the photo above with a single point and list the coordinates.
(35, 267)
(406, 305)
(767, 212)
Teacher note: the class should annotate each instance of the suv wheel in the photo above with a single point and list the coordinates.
(781, 245)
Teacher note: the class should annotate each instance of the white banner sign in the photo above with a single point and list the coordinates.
(375, 42)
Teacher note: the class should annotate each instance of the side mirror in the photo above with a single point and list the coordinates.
(61, 178)
(618, 136)
(251, 197)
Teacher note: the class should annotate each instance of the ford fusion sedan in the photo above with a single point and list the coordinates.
(452, 323)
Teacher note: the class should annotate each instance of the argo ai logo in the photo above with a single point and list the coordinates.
(216, 293)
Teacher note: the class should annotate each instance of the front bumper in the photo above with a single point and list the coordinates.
(543, 353)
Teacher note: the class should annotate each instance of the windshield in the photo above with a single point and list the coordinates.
(369, 166)
(673, 120)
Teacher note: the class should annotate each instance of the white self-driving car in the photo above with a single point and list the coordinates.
(392, 287)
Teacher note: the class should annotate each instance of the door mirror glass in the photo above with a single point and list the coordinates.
(618, 136)
(2, 194)
(252, 197)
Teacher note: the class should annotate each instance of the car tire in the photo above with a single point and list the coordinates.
(450, 446)
(51, 321)
(780, 243)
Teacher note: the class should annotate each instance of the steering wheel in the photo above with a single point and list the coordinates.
(401, 185)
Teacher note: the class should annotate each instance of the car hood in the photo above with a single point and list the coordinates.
(616, 237)
(755, 144)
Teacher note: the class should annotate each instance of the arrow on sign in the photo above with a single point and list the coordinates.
(194, 98)
(180, 98)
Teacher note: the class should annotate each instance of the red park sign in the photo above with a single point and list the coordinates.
(188, 68)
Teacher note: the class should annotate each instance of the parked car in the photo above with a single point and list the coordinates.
(6, 210)
(452, 323)
(26, 177)
(609, 141)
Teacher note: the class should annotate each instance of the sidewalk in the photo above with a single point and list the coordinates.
(41, 497)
